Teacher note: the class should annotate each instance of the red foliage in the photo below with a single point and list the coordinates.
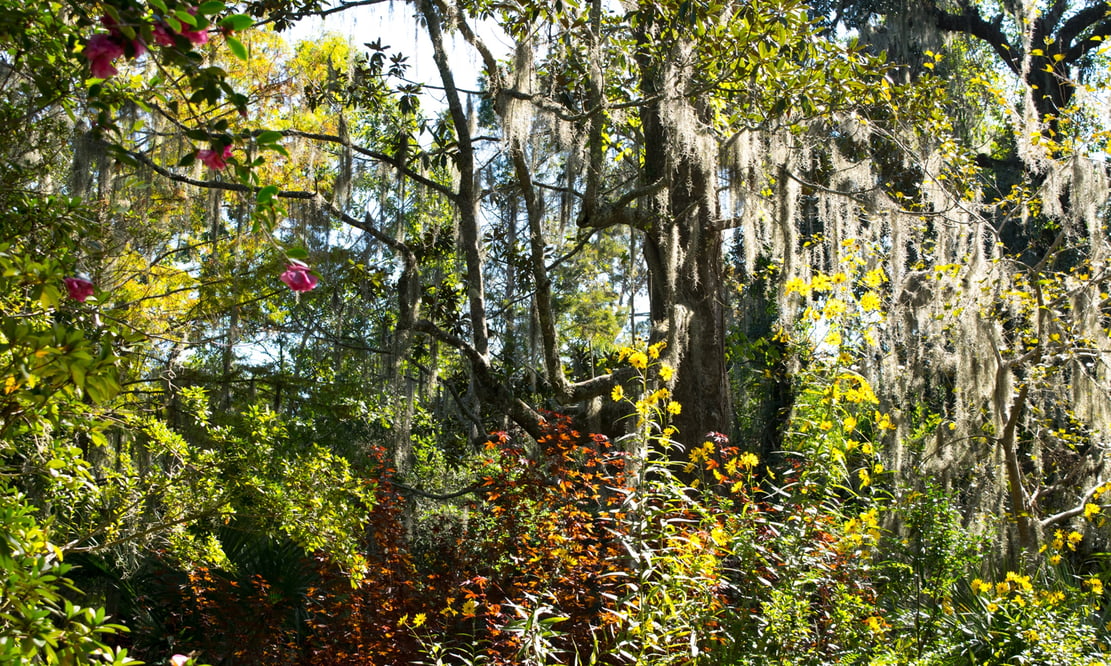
(543, 533)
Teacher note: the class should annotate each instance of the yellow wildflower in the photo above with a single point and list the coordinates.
(1074, 540)
(849, 424)
(654, 350)
(821, 282)
(638, 360)
(883, 421)
(1022, 582)
(674, 408)
(875, 278)
(666, 372)
(617, 393)
(833, 339)
(1091, 510)
(419, 619)
(839, 278)
(834, 307)
(870, 302)
(797, 285)
(748, 461)
(1094, 585)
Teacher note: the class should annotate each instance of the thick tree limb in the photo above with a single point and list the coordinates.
(971, 22)
(1075, 511)
(434, 496)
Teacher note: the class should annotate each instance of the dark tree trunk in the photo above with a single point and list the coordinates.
(683, 252)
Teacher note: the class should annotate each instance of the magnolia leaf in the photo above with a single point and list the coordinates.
(211, 7)
(236, 47)
(237, 22)
(266, 194)
(185, 17)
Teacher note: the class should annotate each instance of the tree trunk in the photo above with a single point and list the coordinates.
(683, 252)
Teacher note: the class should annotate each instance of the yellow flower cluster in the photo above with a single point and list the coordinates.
(1072, 540)
(876, 624)
(748, 461)
(417, 621)
(854, 389)
(1095, 586)
(863, 528)
(702, 453)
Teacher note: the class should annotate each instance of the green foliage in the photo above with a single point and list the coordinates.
(39, 623)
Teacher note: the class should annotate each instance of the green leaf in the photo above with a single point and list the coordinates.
(269, 136)
(77, 371)
(297, 253)
(185, 17)
(211, 7)
(237, 22)
(266, 194)
(236, 47)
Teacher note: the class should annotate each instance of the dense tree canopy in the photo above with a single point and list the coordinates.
(693, 332)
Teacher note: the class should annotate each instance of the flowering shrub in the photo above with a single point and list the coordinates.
(130, 39)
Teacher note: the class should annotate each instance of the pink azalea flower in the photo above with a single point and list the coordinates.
(179, 660)
(102, 50)
(297, 277)
(198, 37)
(78, 288)
(163, 35)
(138, 48)
(215, 160)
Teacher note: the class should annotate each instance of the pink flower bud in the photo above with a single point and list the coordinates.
(78, 288)
(298, 277)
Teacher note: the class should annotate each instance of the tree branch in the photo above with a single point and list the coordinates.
(971, 22)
